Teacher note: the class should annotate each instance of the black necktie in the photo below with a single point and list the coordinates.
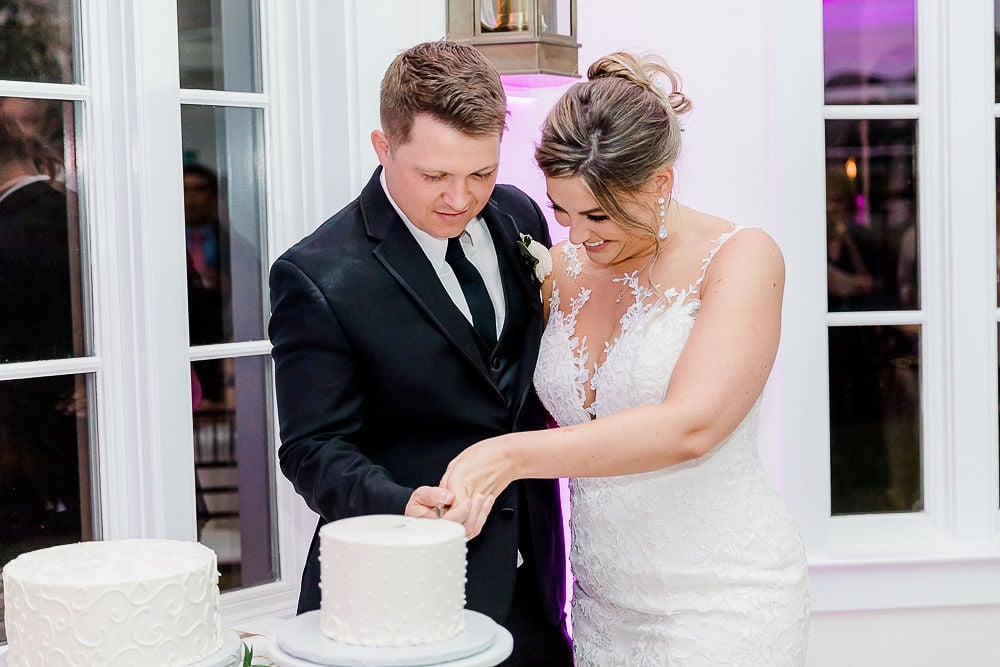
(480, 304)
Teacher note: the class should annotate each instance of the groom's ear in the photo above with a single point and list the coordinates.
(381, 146)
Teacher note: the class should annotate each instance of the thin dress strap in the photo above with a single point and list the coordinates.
(716, 246)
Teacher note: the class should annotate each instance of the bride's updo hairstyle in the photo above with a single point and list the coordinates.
(616, 131)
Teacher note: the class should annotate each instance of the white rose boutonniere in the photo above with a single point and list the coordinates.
(536, 256)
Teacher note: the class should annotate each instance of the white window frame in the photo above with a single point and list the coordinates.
(321, 65)
(948, 554)
(129, 160)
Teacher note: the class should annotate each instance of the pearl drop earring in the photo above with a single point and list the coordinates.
(662, 233)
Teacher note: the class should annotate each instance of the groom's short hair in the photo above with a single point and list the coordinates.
(453, 83)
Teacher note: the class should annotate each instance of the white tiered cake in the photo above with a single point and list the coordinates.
(390, 580)
(120, 602)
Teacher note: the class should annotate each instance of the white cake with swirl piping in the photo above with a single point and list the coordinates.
(389, 580)
(118, 602)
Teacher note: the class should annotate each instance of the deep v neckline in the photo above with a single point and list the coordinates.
(639, 312)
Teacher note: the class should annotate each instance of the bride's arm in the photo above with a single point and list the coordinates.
(718, 377)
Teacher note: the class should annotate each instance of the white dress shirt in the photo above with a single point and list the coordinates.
(479, 249)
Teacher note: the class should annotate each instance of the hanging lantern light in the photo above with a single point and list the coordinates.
(519, 36)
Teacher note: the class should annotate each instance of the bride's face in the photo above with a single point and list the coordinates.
(605, 241)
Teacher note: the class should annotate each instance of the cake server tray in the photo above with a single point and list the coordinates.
(300, 642)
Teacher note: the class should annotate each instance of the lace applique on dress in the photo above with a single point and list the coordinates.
(571, 252)
(569, 352)
(697, 564)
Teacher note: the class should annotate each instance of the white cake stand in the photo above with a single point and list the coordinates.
(230, 655)
(299, 643)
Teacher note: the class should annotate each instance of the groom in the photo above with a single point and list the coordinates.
(406, 328)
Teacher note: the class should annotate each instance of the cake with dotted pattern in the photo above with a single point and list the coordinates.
(389, 580)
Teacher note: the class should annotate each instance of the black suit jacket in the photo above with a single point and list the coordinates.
(39, 460)
(381, 382)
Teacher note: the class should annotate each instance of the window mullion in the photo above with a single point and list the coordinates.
(969, 281)
(147, 466)
(937, 369)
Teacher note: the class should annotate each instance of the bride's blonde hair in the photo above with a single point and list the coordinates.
(616, 131)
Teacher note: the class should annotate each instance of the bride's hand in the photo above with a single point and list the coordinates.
(482, 469)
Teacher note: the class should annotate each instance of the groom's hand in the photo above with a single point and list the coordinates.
(425, 499)
(437, 502)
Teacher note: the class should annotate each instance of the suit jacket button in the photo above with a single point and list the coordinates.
(496, 363)
(507, 512)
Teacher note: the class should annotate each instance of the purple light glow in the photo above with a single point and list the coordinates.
(564, 496)
(861, 14)
(868, 41)
(528, 81)
(528, 103)
(528, 107)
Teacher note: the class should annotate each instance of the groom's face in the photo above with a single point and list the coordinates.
(440, 177)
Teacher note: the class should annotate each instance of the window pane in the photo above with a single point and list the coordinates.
(41, 280)
(872, 251)
(218, 45)
(223, 171)
(45, 472)
(233, 472)
(37, 40)
(875, 441)
(555, 16)
(869, 51)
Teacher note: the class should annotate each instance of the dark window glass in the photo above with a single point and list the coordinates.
(218, 45)
(41, 280)
(872, 233)
(223, 167)
(875, 437)
(233, 472)
(37, 40)
(45, 469)
(997, 177)
(869, 51)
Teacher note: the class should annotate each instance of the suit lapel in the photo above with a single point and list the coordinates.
(522, 296)
(403, 258)
(517, 280)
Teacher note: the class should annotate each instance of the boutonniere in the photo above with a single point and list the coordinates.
(536, 256)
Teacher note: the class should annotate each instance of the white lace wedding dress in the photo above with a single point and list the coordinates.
(696, 564)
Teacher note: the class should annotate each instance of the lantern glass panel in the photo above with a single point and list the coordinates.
(504, 15)
(555, 17)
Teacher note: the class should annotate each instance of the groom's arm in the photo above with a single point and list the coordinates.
(320, 406)
(320, 400)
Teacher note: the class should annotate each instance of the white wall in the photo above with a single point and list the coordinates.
(726, 164)
(725, 52)
(353, 43)
(956, 637)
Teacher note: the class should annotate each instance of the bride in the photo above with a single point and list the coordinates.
(662, 327)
